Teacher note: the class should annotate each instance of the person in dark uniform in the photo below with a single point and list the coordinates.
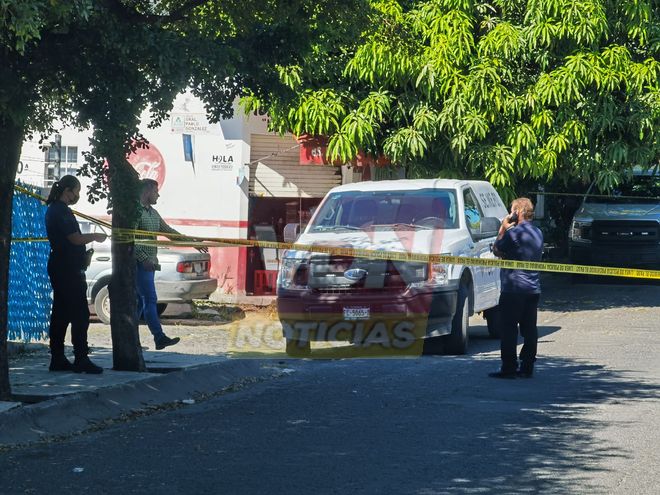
(519, 240)
(66, 270)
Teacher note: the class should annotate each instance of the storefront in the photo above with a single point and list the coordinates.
(281, 192)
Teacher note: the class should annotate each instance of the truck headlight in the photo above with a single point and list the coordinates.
(293, 275)
(438, 276)
(581, 231)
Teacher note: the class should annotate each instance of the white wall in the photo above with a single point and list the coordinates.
(208, 197)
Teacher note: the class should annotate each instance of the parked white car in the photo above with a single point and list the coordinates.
(184, 276)
(332, 297)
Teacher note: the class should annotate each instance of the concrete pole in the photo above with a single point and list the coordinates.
(58, 156)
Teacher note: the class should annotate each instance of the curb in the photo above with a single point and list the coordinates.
(76, 413)
(17, 348)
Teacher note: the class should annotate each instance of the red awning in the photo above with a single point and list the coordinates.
(313, 152)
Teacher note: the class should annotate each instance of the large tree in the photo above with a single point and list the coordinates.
(102, 63)
(508, 90)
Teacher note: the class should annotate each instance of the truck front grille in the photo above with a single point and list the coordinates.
(328, 275)
(625, 232)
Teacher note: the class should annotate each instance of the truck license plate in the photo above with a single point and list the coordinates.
(356, 313)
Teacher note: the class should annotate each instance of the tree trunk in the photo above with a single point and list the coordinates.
(11, 141)
(126, 348)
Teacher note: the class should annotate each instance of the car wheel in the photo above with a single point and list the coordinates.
(102, 305)
(298, 348)
(161, 307)
(457, 341)
(492, 316)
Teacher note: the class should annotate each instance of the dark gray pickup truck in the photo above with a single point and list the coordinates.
(620, 228)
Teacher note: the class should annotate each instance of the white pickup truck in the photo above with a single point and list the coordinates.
(324, 297)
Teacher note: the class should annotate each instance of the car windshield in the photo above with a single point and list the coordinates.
(640, 189)
(355, 210)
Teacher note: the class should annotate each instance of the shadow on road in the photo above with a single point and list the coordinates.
(440, 426)
(560, 294)
(533, 434)
(481, 342)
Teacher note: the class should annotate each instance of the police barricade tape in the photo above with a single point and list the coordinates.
(27, 192)
(126, 235)
(143, 237)
(23, 190)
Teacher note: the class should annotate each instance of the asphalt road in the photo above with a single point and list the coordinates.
(588, 422)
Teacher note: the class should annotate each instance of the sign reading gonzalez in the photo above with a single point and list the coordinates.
(189, 123)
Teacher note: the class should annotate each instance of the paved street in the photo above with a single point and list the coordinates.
(588, 422)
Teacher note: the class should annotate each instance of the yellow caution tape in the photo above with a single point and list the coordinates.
(404, 256)
(128, 235)
(77, 213)
(29, 239)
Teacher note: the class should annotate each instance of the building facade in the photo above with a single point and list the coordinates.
(232, 179)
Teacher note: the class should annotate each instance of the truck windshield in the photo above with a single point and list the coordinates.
(423, 208)
(640, 189)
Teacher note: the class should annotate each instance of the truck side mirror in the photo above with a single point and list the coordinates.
(291, 232)
(489, 227)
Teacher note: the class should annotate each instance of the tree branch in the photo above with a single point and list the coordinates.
(123, 11)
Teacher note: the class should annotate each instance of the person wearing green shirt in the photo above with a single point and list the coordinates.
(146, 256)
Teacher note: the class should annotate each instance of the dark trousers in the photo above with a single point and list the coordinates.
(518, 309)
(69, 307)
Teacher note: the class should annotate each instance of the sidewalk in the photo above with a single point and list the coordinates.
(51, 404)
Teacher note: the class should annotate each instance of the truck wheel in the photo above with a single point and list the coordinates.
(298, 348)
(457, 341)
(579, 278)
(433, 346)
(492, 316)
(160, 308)
(102, 305)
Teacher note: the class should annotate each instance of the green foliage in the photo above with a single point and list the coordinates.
(23, 21)
(511, 91)
(102, 63)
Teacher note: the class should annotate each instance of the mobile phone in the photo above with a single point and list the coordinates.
(513, 218)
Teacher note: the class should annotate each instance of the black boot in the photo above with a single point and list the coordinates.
(60, 363)
(525, 371)
(84, 365)
(165, 341)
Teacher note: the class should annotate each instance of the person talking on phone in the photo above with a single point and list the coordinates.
(518, 239)
(146, 256)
